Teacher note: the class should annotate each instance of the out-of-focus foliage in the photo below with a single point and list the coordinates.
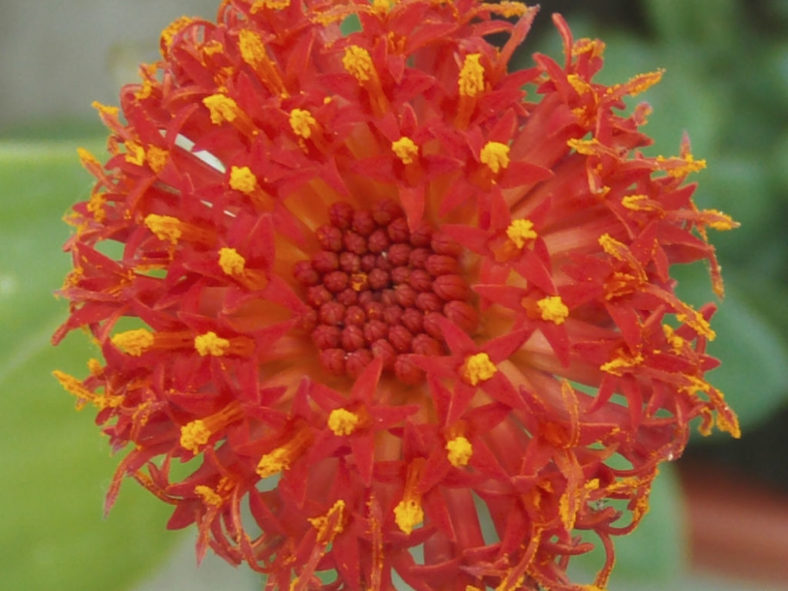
(55, 467)
(726, 85)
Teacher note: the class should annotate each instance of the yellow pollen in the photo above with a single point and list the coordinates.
(145, 90)
(721, 221)
(135, 153)
(510, 9)
(358, 63)
(134, 342)
(208, 495)
(478, 368)
(698, 323)
(211, 344)
(520, 232)
(584, 147)
(643, 82)
(358, 281)
(553, 309)
(636, 202)
(222, 108)
(382, 6)
(96, 206)
(174, 28)
(87, 158)
(330, 524)
(621, 363)
(94, 366)
(273, 4)
(342, 422)
(471, 79)
(273, 462)
(157, 158)
(405, 149)
(611, 246)
(72, 384)
(585, 45)
(509, 585)
(251, 46)
(495, 155)
(302, 122)
(459, 451)
(408, 514)
(679, 170)
(280, 458)
(243, 179)
(580, 85)
(231, 262)
(165, 227)
(675, 341)
(105, 109)
(212, 47)
(75, 387)
(194, 435)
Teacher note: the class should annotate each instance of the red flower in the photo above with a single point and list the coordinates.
(352, 292)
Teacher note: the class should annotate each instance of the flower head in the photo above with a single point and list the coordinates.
(357, 287)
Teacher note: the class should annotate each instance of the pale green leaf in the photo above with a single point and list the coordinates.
(56, 466)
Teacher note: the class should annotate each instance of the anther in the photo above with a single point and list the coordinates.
(340, 214)
(357, 361)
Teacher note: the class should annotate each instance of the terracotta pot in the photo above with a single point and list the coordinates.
(738, 526)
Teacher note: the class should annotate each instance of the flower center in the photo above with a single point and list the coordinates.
(379, 289)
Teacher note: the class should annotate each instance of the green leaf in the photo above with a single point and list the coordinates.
(707, 22)
(56, 466)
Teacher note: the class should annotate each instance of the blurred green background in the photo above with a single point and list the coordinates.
(726, 85)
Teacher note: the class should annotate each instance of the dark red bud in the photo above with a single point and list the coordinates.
(420, 280)
(326, 337)
(329, 237)
(383, 350)
(335, 281)
(426, 345)
(400, 338)
(399, 254)
(383, 212)
(340, 214)
(407, 371)
(428, 302)
(333, 360)
(355, 243)
(398, 230)
(357, 361)
(441, 264)
(332, 313)
(462, 314)
(451, 287)
(325, 261)
(418, 258)
(412, 319)
(355, 315)
(363, 223)
(378, 241)
(352, 338)
(349, 262)
(305, 274)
